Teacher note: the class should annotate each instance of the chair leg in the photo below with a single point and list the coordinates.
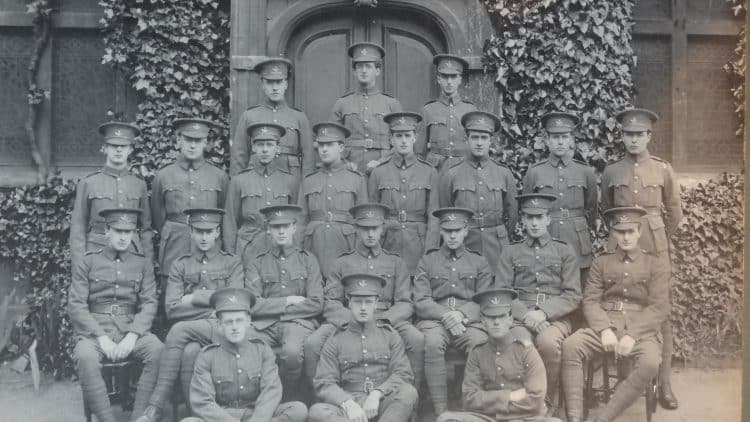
(588, 389)
(605, 378)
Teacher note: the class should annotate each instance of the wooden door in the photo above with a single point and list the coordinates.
(323, 70)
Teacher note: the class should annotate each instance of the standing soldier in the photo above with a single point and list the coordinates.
(504, 376)
(326, 196)
(483, 186)
(190, 182)
(263, 184)
(642, 180)
(295, 153)
(625, 302)
(113, 186)
(112, 302)
(362, 111)
(395, 306)
(363, 372)
(193, 279)
(446, 280)
(441, 137)
(545, 273)
(238, 358)
(408, 187)
(287, 282)
(572, 182)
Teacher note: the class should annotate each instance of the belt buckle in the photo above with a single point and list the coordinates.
(541, 298)
(479, 221)
(402, 216)
(114, 309)
(368, 143)
(452, 302)
(369, 386)
(329, 216)
(618, 306)
(564, 212)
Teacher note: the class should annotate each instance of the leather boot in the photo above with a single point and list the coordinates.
(667, 397)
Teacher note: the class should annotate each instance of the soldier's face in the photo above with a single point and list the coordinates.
(234, 325)
(479, 143)
(117, 155)
(192, 148)
(454, 238)
(367, 73)
(560, 144)
(627, 238)
(370, 236)
(636, 142)
(330, 152)
(536, 224)
(449, 83)
(363, 308)
(403, 141)
(204, 239)
(282, 234)
(265, 150)
(275, 88)
(119, 239)
(497, 326)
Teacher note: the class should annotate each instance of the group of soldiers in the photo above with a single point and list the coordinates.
(352, 254)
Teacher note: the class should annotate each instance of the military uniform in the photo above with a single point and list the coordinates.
(446, 280)
(250, 190)
(441, 138)
(496, 368)
(325, 197)
(109, 188)
(297, 152)
(112, 293)
(485, 187)
(362, 113)
(181, 185)
(627, 292)
(361, 358)
(239, 381)
(407, 186)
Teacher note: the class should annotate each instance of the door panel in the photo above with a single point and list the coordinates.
(409, 72)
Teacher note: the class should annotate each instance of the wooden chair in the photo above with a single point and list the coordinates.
(119, 378)
(622, 368)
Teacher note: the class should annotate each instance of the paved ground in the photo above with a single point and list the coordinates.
(705, 395)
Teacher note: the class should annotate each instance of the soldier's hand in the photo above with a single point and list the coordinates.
(625, 346)
(188, 299)
(452, 318)
(372, 164)
(353, 411)
(533, 318)
(293, 300)
(541, 326)
(517, 395)
(609, 340)
(372, 403)
(108, 347)
(125, 346)
(457, 330)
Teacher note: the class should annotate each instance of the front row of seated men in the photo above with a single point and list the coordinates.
(364, 365)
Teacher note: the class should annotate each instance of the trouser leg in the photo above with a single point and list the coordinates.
(292, 355)
(88, 357)
(665, 372)
(398, 406)
(187, 367)
(549, 344)
(414, 345)
(148, 350)
(436, 340)
(464, 417)
(577, 349)
(293, 411)
(326, 412)
(314, 345)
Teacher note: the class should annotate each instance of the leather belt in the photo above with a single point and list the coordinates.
(486, 221)
(337, 216)
(177, 218)
(537, 298)
(452, 302)
(368, 143)
(566, 213)
(113, 308)
(620, 306)
(408, 217)
(286, 150)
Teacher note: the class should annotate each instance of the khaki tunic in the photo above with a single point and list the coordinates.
(441, 137)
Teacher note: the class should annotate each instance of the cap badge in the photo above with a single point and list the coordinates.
(534, 201)
(452, 217)
(324, 131)
(495, 300)
(204, 217)
(233, 298)
(481, 121)
(124, 218)
(402, 120)
(275, 69)
(277, 213)
(557, 122)
(363, 51)
(623, 218)
(196, 126)
(370, 214)
(362, 283)
(118, 132)
(633, 120)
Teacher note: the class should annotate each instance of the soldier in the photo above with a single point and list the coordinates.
(296, 153)
(263, 184)
(625, 302)
(572, 182)
(504, 376)
(362, 111)
(441, 138)
(193, 279)
(406, 185)
(483, 186)
(545, 273)
(287, 282)
(363, 372)
(395, 306)
(190, 182)
(113, 186)
(326, 196)
(112, 302)
(236, 378)
(446, 280)
(642, 180)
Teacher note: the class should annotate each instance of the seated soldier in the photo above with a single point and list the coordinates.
(625, 302)
(287, 282)
(363, 371)
(236, 378)
(504, 378)
(192, 280)
(112, 302)
(446, 280)
(545, 273)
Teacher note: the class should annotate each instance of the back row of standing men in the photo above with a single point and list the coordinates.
(411, 164)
